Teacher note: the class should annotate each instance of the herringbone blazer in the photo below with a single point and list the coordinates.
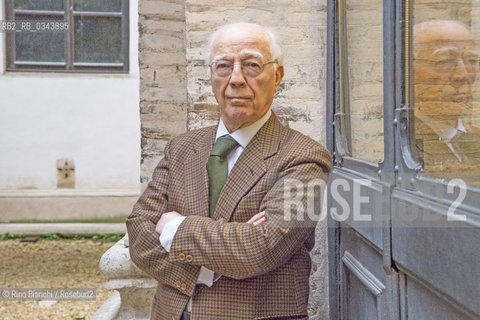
(265, 269)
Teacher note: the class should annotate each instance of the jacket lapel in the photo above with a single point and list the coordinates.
(249, 168)
(196, 178)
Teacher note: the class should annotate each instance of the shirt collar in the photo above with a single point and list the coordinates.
(444, 131)
(244, 134)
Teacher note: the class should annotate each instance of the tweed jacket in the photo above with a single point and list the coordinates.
(458, 159)
(265, 269)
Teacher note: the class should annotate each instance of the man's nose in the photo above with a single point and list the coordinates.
(237, 79)
(459, 74)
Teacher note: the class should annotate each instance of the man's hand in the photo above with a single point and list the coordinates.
(168, 216)
(258, 218)
(164, 219)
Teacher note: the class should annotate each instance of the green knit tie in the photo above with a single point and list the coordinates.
(217, 168)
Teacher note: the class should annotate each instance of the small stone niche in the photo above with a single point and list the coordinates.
(65, 174)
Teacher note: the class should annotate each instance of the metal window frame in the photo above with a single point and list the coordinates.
(412, 186)
(401, 170)
(69, 66)
(410, 175)
(338, 123)
(383, 173)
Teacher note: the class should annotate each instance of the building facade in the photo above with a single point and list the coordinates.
(69, 121)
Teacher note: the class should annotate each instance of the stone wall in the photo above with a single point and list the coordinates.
(175, 91)
(301, 29)
(176, 94)
(163, 77)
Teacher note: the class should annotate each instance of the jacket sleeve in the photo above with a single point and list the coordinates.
(145, 248)
(241, 250)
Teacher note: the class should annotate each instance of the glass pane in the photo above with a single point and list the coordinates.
(40, 46)
(364, 93)
(446, 91)
(98, 39)
(98, 5)
(52, 5)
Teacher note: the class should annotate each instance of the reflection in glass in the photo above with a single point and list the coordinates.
(445, 65)
(52, 5)
(40, 46)
(98, 39)
(363, 86)
(98, 5)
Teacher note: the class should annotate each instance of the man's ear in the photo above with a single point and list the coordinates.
(278, 76)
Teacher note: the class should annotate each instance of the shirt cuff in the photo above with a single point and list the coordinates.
(168, 232)
(205, 277)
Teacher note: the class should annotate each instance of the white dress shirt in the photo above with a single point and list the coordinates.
(243, 136)
(445, 132)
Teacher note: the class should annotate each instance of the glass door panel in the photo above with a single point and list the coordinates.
(362, 79)
(446, 92)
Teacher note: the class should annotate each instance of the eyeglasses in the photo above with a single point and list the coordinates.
(447, 63)
(223, 68)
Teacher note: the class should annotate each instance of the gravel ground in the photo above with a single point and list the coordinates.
(52, 264)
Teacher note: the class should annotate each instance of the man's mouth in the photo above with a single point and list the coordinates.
(238, 98)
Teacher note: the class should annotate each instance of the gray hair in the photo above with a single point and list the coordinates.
(421, 26)
(275, 48)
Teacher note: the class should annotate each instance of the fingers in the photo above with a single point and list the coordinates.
(164, 219)
(159, 226)
(170, 215)
(258, 218)
(261, 220)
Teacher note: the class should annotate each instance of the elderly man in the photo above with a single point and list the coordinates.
(445, 68)
(225, 226)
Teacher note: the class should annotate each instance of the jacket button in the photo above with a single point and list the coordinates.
(184, 287)
(188, 258)
(181, 256)
(178, 284)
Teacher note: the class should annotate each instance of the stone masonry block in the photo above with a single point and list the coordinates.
(156, 59)
(172, 94)
(173, 10)
(149, 164)
(160, 26)
(164, 76)
(165, 122)
(202, 119)
(163, 110)
(162, 43)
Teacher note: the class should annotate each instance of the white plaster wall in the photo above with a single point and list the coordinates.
(90, 118)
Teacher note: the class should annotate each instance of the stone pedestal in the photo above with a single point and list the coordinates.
(133, 289)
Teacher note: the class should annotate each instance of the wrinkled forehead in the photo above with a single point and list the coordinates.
(450, 46)
(449, 37)
(242, 55)
(442, 32)
(236, 41)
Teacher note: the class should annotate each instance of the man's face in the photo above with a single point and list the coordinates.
(445, 67)
(243, 99)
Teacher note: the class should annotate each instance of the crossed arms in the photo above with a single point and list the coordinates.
(234, 249)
